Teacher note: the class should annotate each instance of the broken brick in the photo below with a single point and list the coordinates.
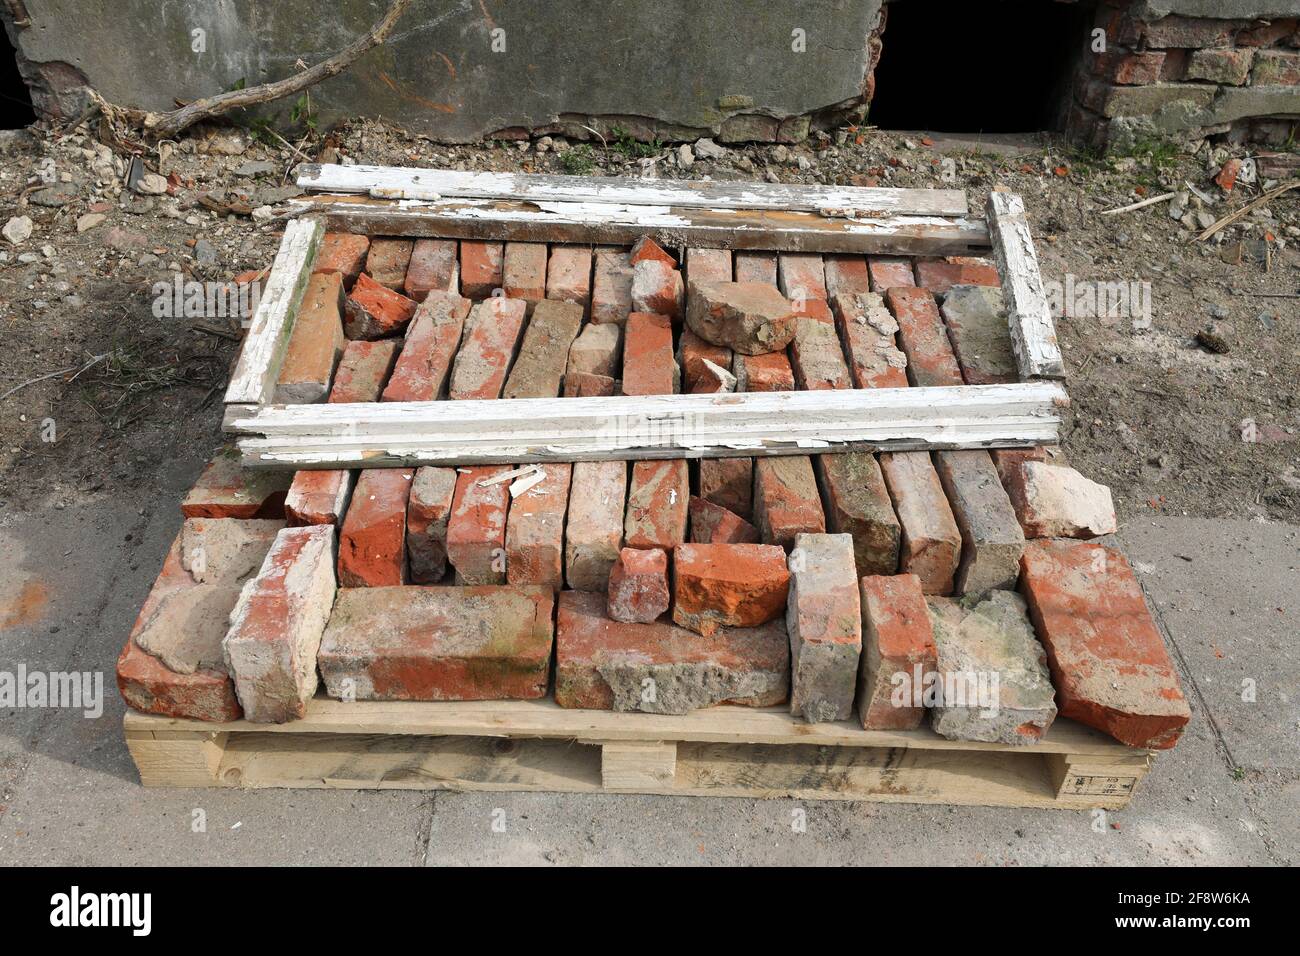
(372, 541)
(344, 253)
(318, 496)
(588, 385)
(375, 311)
(598, 350)
(728, 483)
(713, 524)
(817, 358)
(388, 260)
(692, 354)
(646, 248)
(1053, 501)
(748, 317)
(763, 373)
(866, 330)
(428, 510)
(728, 585)
(638, 585)
(226, 489)
(657, 288)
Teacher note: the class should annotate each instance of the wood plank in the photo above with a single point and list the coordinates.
(500, 431)
(397, 182)
(268, 333)
(1033, 331)
(671, 226)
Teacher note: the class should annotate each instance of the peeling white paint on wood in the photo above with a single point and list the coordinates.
(1033, 331)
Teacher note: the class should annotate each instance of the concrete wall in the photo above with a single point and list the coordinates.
(461, 69)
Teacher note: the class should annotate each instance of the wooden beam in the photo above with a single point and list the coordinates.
(519, 431)
(1033, 332)
(624, 224)
(268, 333)
(398, 182)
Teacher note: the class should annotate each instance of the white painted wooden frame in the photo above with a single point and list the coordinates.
(1033, 332)
(519, 431)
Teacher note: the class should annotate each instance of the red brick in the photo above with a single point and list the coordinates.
(535, 530)
(708, 265)
(858, 504)
(824, 622)
(374, 311)
(226, 489)
(568, 275)
(1227, 178)
(729, 483)
(539, 370)
(898, 651)
(692, 352)
(388, 261)
(888, 272)
(372, 542)
(594, 532)
(523, 272)
(422, 369)
(925, 342)
(992, 541)
(1053, 501)
(785, 499)
(816, 309)
(587, 385)
(476, 531)
(439, 643)
(866, 330)
(638, 586)
(846, 275)
(434, 268)
(1108, 661)
(1177, 31)
(728, 585)
(480, 268)
(611, 293)
(1133, 69)
(940, 275)
(1276, 68)
(598, 350)
(275, 629)
(763, 373)
(1267, 33)
(1230, 67)
(491, 338)
(648, 364)
(801, 275)
(344, 253)
(817, 358)
(1008, 461)
(362, 371)
(315, 344)
(646, 248)
(318, 497)
(657, 287)
(713, 524)
(749, 317)
(427, 512)
(602, 664)
(979, 335)
(756, 267)
(657, 503)
(931, 543)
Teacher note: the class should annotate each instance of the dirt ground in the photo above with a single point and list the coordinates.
(1175, 426)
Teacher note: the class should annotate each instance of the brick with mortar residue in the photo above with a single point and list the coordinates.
(729, 483)
(728, 585)
(816, 309)
(763, 373)
(925, 342)
(226, 489)
(276, 628)
(480, 268)
(992, 541)
(439, 643)
(817, 358)
(1229, 67)
(598, 350)
(888, 272)
(363, 370)
(866, 330)
(373, 311)
(611, 293)
(372, 541)
(801, 275)
(388, 261)
(940, 275)
(601, 664)
(544, 353)
(1109, 663)
(319, 496)
(708, 265)
(846, 275)
(487, 348)
(756, 267)
(897, 639)
(434, 268)
(657, 287)
(858, 504)
(535, 530)
(786, 501)
(568, 275)
(692, 352)
(476, 530)
(713, 524)
(638, 586)
(1276, 68)
(523, 272)
(432, 339)
(647, 248)
(824, 621)
(315, 344)
(657, 504)
(594, 531)
(344, 253)
(427, 512)
(979, 335)
(749, 317)
(1008, 461)
(649, 367)
(1053, 501)
(930, 546)
(588, 385)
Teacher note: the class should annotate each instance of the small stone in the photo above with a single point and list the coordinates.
(89, 221)
(18, 229)
(152, 184)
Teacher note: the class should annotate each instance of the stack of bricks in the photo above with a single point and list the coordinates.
(1189, 77)
(821, 583)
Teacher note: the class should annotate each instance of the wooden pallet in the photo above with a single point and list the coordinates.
(538, 746)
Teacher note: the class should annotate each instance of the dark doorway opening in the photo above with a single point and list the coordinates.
(15, 101)
(997, 66)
